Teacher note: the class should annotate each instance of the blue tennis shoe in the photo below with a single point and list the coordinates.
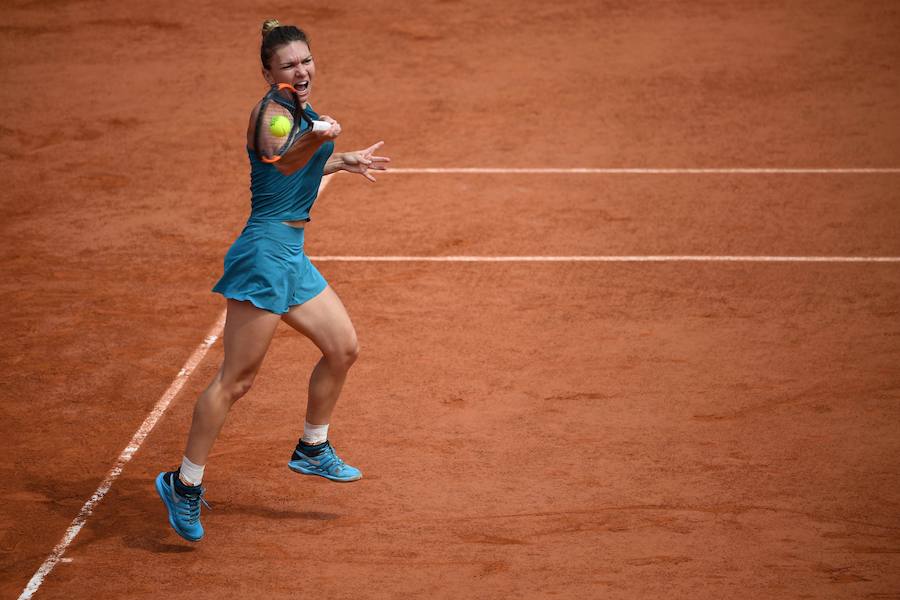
(322, 460)
(183, 503)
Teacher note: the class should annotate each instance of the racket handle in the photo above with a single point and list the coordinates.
(321, 126)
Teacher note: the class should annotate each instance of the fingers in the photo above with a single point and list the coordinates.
(375, 162)
(335, 127)
(365, 158)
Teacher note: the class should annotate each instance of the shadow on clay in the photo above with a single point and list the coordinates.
(133, 512)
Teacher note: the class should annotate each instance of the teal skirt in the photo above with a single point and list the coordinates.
(266, 266)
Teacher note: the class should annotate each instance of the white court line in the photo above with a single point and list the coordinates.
(648, 171)
(56, 555)
(609, 259)
(139, 436)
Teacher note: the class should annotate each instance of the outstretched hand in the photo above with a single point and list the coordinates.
(363, 161)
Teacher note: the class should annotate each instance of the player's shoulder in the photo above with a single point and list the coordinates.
(255, 111)
(254, 115)
(251, 124)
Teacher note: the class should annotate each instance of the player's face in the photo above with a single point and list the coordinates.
(293, 64)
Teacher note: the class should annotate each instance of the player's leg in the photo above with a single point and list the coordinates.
(248, 332)
(325, 321)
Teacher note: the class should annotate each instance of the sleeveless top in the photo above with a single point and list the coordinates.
(279, 197)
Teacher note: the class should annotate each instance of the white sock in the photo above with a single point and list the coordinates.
(314, 434)
(190, 473)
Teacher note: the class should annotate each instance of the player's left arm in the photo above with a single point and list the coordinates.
(359, 161)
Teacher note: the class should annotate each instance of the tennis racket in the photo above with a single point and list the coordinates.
(281, 122)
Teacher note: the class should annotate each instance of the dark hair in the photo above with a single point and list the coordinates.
(276, 35)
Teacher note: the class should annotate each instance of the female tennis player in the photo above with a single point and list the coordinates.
(268, 279)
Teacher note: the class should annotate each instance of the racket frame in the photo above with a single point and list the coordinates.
(294, 107)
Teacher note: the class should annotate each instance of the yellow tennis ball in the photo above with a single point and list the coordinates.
(280, 126)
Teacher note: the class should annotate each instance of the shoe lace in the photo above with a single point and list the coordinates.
(330, 459)
(191, 506)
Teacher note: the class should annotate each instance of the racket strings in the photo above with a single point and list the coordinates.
(276, 129)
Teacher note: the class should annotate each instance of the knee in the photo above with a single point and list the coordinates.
(237, 388)
(343, 357)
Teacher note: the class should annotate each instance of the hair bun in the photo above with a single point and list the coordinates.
(269, 25)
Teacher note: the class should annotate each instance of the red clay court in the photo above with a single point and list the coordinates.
(629, 302)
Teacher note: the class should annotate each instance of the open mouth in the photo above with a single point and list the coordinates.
(301, 86)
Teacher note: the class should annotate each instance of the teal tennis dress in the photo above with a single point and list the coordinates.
(266, 265)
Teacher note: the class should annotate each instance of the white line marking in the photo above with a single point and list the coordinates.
(648, 171)
(647, 258)
(140, 435)
(56, 555)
